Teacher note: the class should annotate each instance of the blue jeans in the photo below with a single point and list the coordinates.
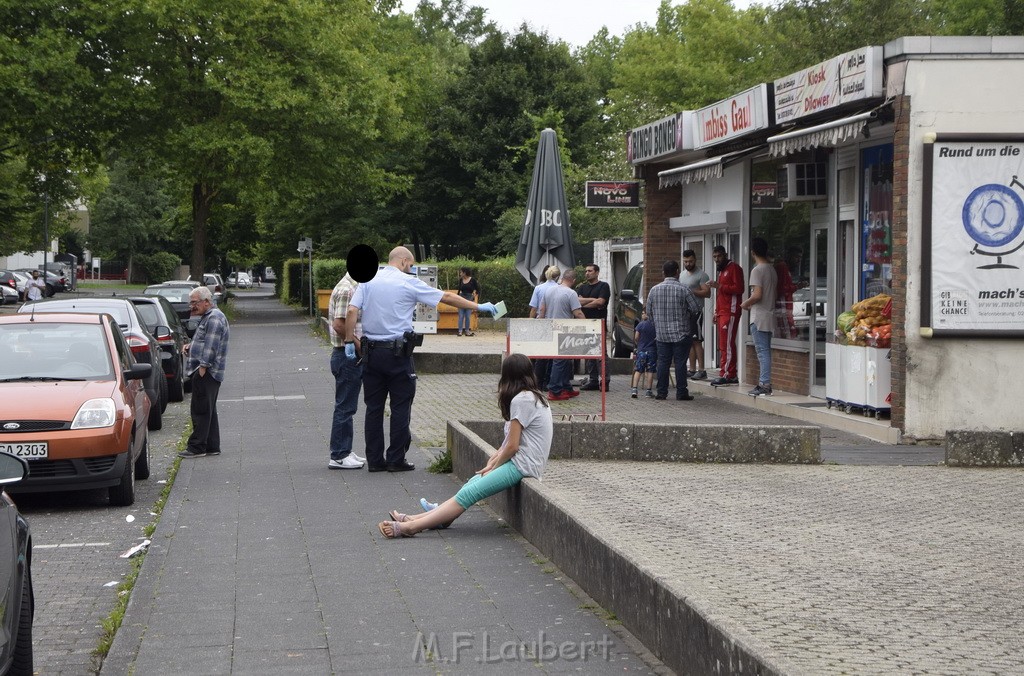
(673, 352)
(561, 374)
(763, 347)
(464, 317)
(348, 377)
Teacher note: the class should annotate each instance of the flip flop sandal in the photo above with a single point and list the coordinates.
(396, 530)
(398, 516)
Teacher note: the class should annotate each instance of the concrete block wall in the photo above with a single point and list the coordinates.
(582, 440)
(971, 448)
(684, 636)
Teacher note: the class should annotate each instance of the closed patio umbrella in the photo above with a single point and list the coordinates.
(546, 237)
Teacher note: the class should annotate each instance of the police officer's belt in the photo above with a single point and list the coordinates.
(386, 344)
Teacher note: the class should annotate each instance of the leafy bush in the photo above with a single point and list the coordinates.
(498, 279)
(158, 267)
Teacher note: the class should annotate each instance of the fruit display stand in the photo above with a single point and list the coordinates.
(858, 375)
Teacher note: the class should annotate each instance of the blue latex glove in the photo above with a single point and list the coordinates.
(488, 307)
(350, 351)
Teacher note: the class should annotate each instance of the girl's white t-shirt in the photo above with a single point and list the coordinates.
(535, 440)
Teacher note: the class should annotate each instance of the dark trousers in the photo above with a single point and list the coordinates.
(678, 353)
(542, 371)
(205, 424)
(387, 374)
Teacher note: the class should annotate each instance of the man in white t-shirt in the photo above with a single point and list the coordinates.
(697, 280)
(36, 287)
(761, 303)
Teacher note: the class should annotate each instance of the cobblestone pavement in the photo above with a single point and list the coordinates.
(828, 569)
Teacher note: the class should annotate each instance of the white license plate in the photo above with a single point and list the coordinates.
(29, 451)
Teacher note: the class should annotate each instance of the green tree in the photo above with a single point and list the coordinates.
(264, 101)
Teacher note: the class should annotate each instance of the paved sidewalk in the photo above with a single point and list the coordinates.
(266, 562)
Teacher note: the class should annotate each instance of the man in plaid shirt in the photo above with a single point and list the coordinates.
(207, 357)
(348, 376)
(673, 308)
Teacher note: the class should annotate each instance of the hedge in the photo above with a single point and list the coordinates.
(498, 280)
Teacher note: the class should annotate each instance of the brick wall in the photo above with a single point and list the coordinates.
(660, 243)
(789, 370)
(900, 186)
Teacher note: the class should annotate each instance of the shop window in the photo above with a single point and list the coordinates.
(786, 226)
(876, 221)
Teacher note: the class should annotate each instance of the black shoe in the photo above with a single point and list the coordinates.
(684, 397)
(190, 454)
(724, 381)
(661, 397)
(213, 453)
(589, 387)
(400, 466)
(376, 468)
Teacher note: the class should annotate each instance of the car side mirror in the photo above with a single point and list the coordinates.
(138, 372)
(12, 469)
(162, 332)
(627, 294)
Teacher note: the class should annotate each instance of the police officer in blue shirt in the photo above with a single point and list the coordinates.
(386, 304)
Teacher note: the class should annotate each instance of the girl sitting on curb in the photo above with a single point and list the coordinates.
(524, 452)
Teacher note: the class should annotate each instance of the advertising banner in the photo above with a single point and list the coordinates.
(732, 118)
(613, 194)
(974, 232)
(576, 338)
(666, 136)
(764, 195)
(846, 78)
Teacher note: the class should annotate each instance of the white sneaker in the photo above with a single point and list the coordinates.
(349, 462)
(427, 505)
(357, 457)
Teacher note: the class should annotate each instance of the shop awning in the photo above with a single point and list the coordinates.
(713, 167)
(823, 135)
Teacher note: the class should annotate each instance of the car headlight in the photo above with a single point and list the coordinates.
(95, 413)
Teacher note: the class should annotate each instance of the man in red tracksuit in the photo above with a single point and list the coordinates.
(727, 314)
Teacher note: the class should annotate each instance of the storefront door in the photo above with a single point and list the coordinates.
(818, 308)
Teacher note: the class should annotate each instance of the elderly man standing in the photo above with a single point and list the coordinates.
(672, 307)
(207, 359)
(542, 367)
(562, 302)
(348, 377)
(386, 304)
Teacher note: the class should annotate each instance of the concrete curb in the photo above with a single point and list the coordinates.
(972, 448)
(674, 627)
(663, 442)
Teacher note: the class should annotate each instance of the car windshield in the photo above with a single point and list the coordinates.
(45, 351)
(149, 312)
(175, 294)
(119, 312)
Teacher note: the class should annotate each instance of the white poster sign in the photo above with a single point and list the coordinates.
(568, 338)
(850, 77)
(977, 233)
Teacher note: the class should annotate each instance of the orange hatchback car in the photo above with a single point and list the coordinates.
(73, 404)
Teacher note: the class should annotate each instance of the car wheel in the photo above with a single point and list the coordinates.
(175, 386)
(123, 494)
(21, 659)
(142, 470)
(164, 395)
(156, 416)
(619, 351)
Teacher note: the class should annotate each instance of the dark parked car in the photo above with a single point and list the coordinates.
(163, 322)
(627, 311)
(75, 406)
(17, 600)
(141, 342)
(14, 280)
(8, 295)
(177, 295)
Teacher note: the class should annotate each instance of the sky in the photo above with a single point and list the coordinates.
(575, 21)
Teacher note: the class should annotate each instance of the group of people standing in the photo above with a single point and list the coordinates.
(558, 297)
(671, 328)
